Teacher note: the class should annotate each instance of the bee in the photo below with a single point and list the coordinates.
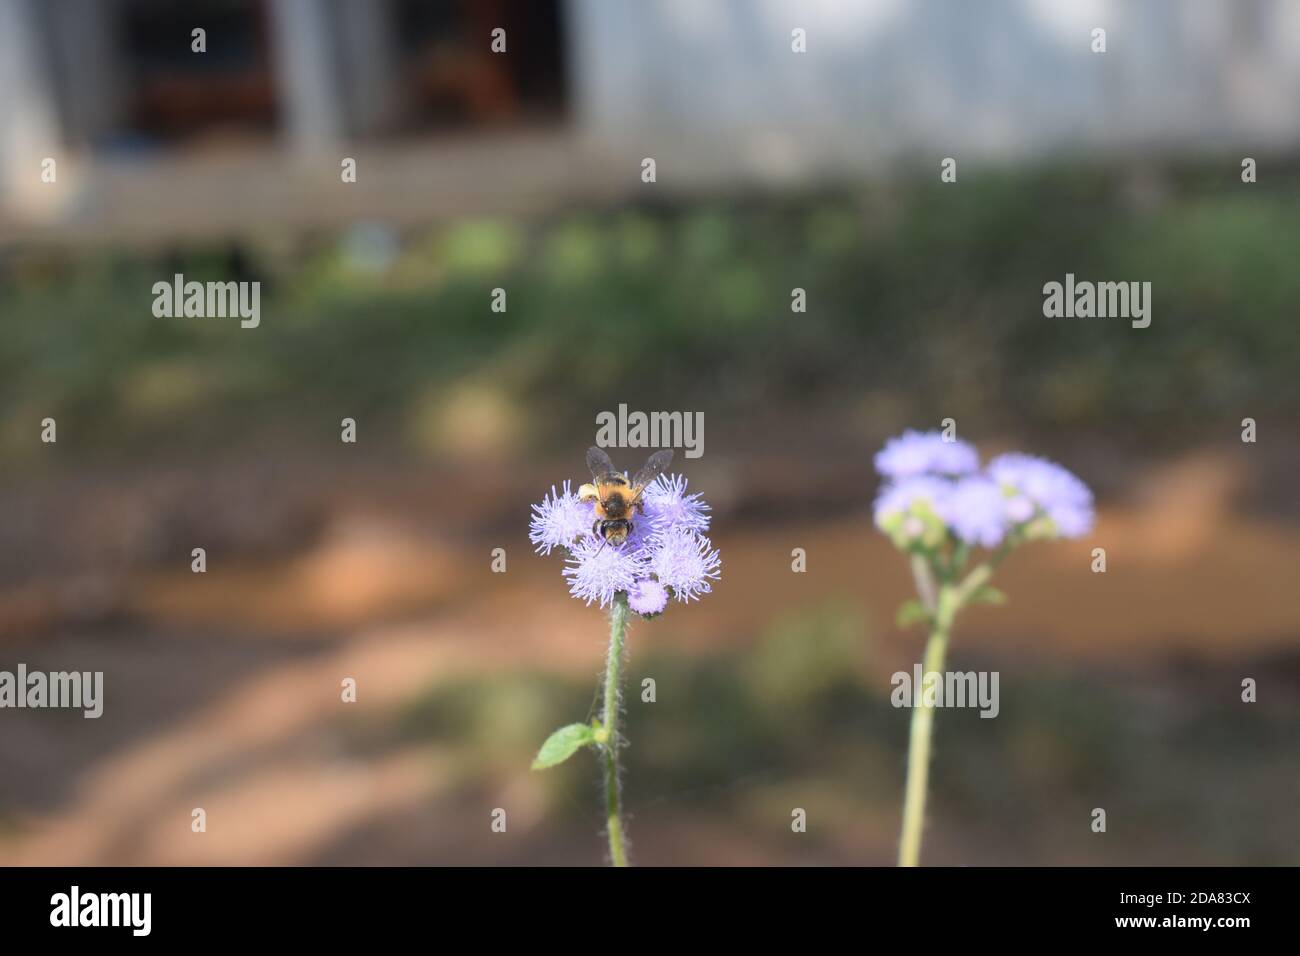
(615, 496)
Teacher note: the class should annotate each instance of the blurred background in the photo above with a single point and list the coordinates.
(522, 171)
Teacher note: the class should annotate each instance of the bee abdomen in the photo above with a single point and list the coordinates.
(615, 531)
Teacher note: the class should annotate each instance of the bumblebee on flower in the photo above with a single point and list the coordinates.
(630, 544)
(642, 536)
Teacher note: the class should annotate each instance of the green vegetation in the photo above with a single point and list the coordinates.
(918, 289)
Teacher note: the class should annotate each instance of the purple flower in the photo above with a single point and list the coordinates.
(596, 571)
(666, 553)
(903, 497)
(932, 491)
(560, 520)
(976, 511)
(647, 597)
(911, 510)
(668, 506)
(1033, 485)
(925, 453)
(685, 562)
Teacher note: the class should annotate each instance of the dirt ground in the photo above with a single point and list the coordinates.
(223, 689)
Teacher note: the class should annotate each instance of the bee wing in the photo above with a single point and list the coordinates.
(653, 468)
(599, 464)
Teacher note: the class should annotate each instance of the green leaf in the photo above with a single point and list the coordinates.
(911, 612)
(988, 595)
(563, 744)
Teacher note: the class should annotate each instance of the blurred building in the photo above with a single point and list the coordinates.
(121, 75)
(152, 137)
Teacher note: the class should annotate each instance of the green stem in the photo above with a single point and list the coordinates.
(950, 600)
(614, 822)
(918, 746)
(924, 579)
(972, 583)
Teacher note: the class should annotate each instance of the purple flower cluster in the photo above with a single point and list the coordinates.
(666, 555)
(934, 488)
(913, 454)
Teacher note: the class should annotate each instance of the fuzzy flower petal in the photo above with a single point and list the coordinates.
(559, 520)
(647, 597)
(596, 571)
(1030, 483)
(664, 555)
(685, 562)
(911, 510)
(668, 506)
(925, 453)
(902, 497)
(976, 511)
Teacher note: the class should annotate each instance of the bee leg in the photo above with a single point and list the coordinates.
(595, 528)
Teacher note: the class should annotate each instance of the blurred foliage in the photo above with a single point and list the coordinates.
(927, 290)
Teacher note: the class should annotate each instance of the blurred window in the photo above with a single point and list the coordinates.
(173, 93)
(452, 78)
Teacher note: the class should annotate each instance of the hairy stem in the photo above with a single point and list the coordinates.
(614, 822)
